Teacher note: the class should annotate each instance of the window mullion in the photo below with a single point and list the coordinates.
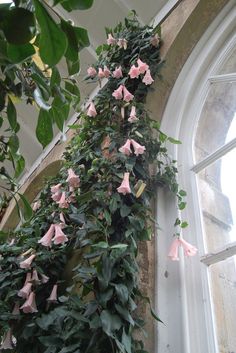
(220, 255)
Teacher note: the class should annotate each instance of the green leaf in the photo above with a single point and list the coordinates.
(119, 246)
(72, 48)
(13, 143)
(122, 293)
(19, 26)
(19, 53)
(124, 211)
(53, 41)
(11, 115)
(73, 67)
(55, 78)
(70, 5)
(101, 244)
(44, 130)
(82, 37)
(49, 341)
(182, 193)
(184, 224)
(110, 322)
(124, 313)
(27, 210)
(20, 166)
(60, 112)
(182, 205)
(126, 341)
(172, 140)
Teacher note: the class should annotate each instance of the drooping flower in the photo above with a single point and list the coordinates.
(56, 196)
(63, 203)
(91, 110)
(24, 292)
(132, 118)
(30, 305)
(46, 240)
(122, 43)
(62, 218)
(173, 253)
(44, 278)
(189, 249)
(143, 67)
(60, 237)
(127, 95)
(117, 73)
(148, 80)
(101, 73)
(118, 93)
(73, 180)
(27, 278)
(53, 296)
(106, 71)
(27, 263)
(125, 149)
(111, 40)
(124, 188)
(35, 277)
(36, 205)
(55, 188)
(138, 149)
(7, 341)
(16, 309)
(134, 72)
(91, 71)
(155, 40)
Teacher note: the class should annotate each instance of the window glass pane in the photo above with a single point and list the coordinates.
(229, 65)
(217, 116)
(217, 190)
(223, 290)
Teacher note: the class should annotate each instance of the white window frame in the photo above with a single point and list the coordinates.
(182, 293)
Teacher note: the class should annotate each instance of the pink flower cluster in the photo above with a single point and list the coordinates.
(189, 250)
(126, 148)
(104, 72)
(121, 42)
(55, 235)
(122, 92)
(142, 68)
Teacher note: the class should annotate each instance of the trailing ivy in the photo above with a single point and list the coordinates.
(85, 234)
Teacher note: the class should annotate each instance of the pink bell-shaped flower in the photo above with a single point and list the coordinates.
(73, 180)
(173, 253)
(118, 93)
(138, 149)
(189, 249)
(53, 296)
(46, 240)
(44, 278)
(106, 71)
(29, 306)
(7, 341)
(27, 278)
(132, 118)
(36, 205)
(101, 73)
(117, 73)
(143, 67)
(62, 218)
(124, 188)
(27, 263)
(56, 196)
(134, 72)
(148, 80)
(60, 237)
(91, 71)
(125, 149)
(63, 203)
(35, 277)
(122, 43)
(111, 40)
(55, 188)
(24, 292)
(127, 95)
(91, 110)
(16, 309)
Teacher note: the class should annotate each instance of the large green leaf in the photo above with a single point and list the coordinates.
(82, 37)
(44, 131)
(110, 322)
(11, 115)
(18, 53)
(27, 210)
(19, 26)
(53, 41)
(72, 48)
(70, 5)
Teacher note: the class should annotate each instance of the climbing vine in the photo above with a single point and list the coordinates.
(69, 278)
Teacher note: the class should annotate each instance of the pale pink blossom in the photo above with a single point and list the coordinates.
(53, 296)
(132, 118)
(111, 40)
(122, 43)
(91, 71)
(117, 73)
(60, 237)
(27, 263)
(189, 249)
(44, 278)
(173, 253)
(143, 67)
(122, 112)
(155, 40)
(56, 196)
(127, 95)
(125, 149)
(55, 188)
(101, 73)
(124, 188)
(138, 149)
(118, 93)
(16, 309)
(63, 203)
(24, 292)
(46, 240)
(7, 341)
(36, 205)
(62, 218)
(29, 306)
(27, 278)
(106, 71)
(91, 110)
(35, 277)
(148, 80)
(72, 198)
(134, 72)
(73, 180)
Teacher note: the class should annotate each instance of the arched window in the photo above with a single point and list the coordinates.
(196, 298)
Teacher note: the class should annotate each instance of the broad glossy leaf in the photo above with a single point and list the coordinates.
(44, 131)
(70, 5)
(11, 115)
(13, 143)
(19, 26)
(82, 37)
(73, 67)
(60, 112)
(110, 322)
(27, 210)
(72, 48)
(53, 41)
(18, 53)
